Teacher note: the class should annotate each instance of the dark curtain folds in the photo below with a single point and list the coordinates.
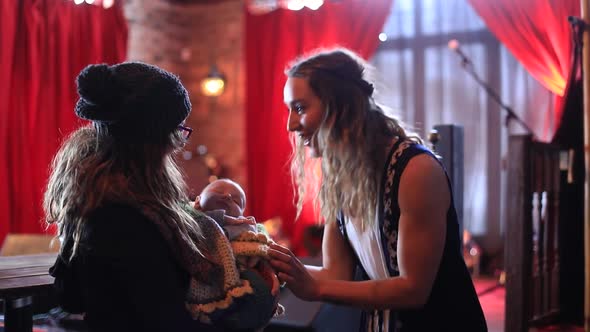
(272, 40)
(538, 34)
(45, 43)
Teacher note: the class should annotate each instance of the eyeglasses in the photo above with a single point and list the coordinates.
(185, 132)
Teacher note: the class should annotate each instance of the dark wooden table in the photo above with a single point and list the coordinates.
(22, 277)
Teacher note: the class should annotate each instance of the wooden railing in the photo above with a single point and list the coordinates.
(532, 234)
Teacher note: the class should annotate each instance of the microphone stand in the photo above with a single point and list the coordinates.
(578, 26)
(468, 67)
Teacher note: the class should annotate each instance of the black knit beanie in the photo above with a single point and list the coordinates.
(133, 100)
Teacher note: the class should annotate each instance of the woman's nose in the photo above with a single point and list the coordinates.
(293, 122)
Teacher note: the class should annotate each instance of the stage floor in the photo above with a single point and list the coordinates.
(492, 301)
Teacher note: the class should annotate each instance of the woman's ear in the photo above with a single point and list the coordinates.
(197, 204)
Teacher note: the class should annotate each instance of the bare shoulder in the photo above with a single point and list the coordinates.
(424, 166)
(423, 184)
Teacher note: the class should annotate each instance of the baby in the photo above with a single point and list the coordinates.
(224, 200)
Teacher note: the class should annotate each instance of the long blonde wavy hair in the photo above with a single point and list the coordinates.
(353, 137)
(91, 169)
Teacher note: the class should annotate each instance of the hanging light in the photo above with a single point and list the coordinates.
(214, 84)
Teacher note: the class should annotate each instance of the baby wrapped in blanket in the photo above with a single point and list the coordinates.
(252, 303)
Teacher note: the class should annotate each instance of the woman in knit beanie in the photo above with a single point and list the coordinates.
(131, 245)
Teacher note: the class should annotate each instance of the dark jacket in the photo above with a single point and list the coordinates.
(124, 276)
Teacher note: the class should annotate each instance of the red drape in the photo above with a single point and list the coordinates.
(272, 40)
(538, 34)
(45, 43)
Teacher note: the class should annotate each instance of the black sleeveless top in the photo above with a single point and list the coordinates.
(453, 304)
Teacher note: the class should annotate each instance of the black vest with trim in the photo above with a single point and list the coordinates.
(453, 304)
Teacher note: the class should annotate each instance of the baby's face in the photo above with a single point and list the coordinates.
(224, 195)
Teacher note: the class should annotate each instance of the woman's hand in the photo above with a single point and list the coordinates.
(291, 271)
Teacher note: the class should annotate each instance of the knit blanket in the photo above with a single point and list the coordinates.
(244, 298)
(219, 292)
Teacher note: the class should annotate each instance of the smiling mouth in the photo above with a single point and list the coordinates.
(306, 140)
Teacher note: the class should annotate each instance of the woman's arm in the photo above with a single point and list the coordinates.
(338, 262)
(337, 257)
(424, 200)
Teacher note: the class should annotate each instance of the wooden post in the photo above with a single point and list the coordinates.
(518, 251)
(585, 6)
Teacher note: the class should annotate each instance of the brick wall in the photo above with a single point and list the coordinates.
(186, 40)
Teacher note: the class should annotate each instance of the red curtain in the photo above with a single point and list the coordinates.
(45, 43)
(272, 40)
(538, 34)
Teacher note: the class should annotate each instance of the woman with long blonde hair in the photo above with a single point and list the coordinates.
(386, 203)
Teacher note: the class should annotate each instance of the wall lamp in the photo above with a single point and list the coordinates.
(214, 84)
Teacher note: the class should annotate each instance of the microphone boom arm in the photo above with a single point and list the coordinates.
(468, 67)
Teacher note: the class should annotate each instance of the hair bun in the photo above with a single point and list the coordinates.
(367, 87)
(97, 91)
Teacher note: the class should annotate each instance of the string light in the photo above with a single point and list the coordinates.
(264, 6)
(314, 4)
(106, 4)
(295, 4)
